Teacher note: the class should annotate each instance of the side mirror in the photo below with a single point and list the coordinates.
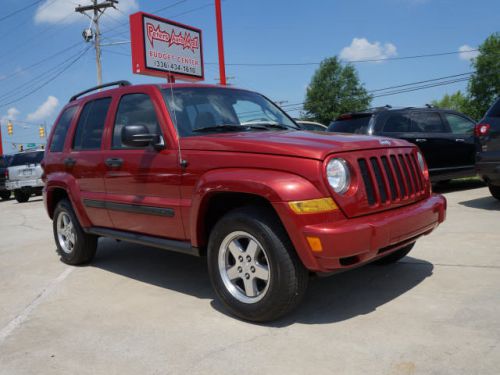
(138, 136)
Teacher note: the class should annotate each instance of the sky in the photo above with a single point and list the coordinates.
(44, 59)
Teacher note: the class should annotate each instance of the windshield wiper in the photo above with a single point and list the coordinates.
(222, 127)
(267, 125)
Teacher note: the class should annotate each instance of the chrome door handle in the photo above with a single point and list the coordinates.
(420, 140)
(459, 140)
(69, 162)
(114, 162)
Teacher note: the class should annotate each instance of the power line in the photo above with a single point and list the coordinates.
(26, 86)
(20, 70)
(171, 16)
(350, 61)
(51, 79)
(20, 10)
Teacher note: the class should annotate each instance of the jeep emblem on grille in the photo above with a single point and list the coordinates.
(385, 142)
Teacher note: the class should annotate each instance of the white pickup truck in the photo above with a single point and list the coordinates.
(25, 175)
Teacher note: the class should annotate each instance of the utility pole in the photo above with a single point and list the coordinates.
(98, 10)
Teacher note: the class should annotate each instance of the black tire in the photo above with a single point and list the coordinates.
(5, 195)
(85, 245)
(22, 195)
(395, 256)
(495, 191)
(287, 277)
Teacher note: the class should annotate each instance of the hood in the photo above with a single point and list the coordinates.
(308, 144)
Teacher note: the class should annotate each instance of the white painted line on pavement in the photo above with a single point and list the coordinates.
(21, 318)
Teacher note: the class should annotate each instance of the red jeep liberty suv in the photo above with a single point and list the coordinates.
(220, 171)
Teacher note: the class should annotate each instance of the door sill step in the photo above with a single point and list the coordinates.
(183, 247)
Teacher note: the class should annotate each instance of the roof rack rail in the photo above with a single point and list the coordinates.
(116, 83)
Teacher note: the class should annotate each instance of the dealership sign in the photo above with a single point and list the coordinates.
(165, 48)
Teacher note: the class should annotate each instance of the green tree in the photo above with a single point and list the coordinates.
(484, 85)
(334, 89)
(457, 101)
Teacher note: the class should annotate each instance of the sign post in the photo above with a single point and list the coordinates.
(165, 48)
(1, 141)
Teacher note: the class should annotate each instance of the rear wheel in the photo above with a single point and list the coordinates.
(495, 191)
(253, 266)
(22, 195)
(395, 256)
(5, 195)
(74, 246)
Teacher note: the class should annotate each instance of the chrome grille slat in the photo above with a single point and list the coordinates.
(394, 177)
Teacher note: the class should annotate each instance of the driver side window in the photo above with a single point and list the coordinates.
(134, 109)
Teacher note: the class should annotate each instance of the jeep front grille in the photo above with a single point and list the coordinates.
(391, 178)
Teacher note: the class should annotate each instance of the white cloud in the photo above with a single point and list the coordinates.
(362, 49)
(46, 109)
(11, 114)
(63, 11)
(466, 52)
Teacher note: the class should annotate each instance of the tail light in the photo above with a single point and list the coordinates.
(6, 174)
(481, 130)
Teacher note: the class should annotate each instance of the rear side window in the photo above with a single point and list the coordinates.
(427, 122)
(27, 158)
(495, 110)
(356, 125)
(88, 135)
(61, 130)
(397, 123)
(134, 109)
(459, 124)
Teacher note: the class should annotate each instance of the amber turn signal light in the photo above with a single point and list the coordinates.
(313, 206)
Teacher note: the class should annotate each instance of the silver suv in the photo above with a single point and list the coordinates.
(25, 175)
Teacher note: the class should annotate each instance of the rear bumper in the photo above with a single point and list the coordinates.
(350, 242)
(489, 171)
(19, 184)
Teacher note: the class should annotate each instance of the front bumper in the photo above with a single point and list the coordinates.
(14, 185)
(348, 243)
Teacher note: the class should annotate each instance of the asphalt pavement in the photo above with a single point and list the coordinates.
(139, 310)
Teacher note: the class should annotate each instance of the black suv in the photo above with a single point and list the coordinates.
(488, 159)
(445, 137)
(4, 163)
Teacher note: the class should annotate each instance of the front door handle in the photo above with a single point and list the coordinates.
(420, 140)
(69, 162)
(114, 162)
(459, 140)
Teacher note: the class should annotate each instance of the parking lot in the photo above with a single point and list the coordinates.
(142, 310)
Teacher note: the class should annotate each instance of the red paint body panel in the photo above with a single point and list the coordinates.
(278, 166)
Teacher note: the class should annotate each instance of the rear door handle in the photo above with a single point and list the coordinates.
(69, 162)
(114, 162)
(459, 140)
(420, 140)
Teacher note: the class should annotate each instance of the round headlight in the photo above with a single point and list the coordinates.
(421, 161)
(338, 175)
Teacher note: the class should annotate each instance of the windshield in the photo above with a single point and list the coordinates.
(27, 158)
(207, 108)
(356, 125)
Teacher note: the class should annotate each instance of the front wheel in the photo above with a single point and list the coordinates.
(395, 256)
(22, 195)
(495, 191)
(74, 246)
(253, 267)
